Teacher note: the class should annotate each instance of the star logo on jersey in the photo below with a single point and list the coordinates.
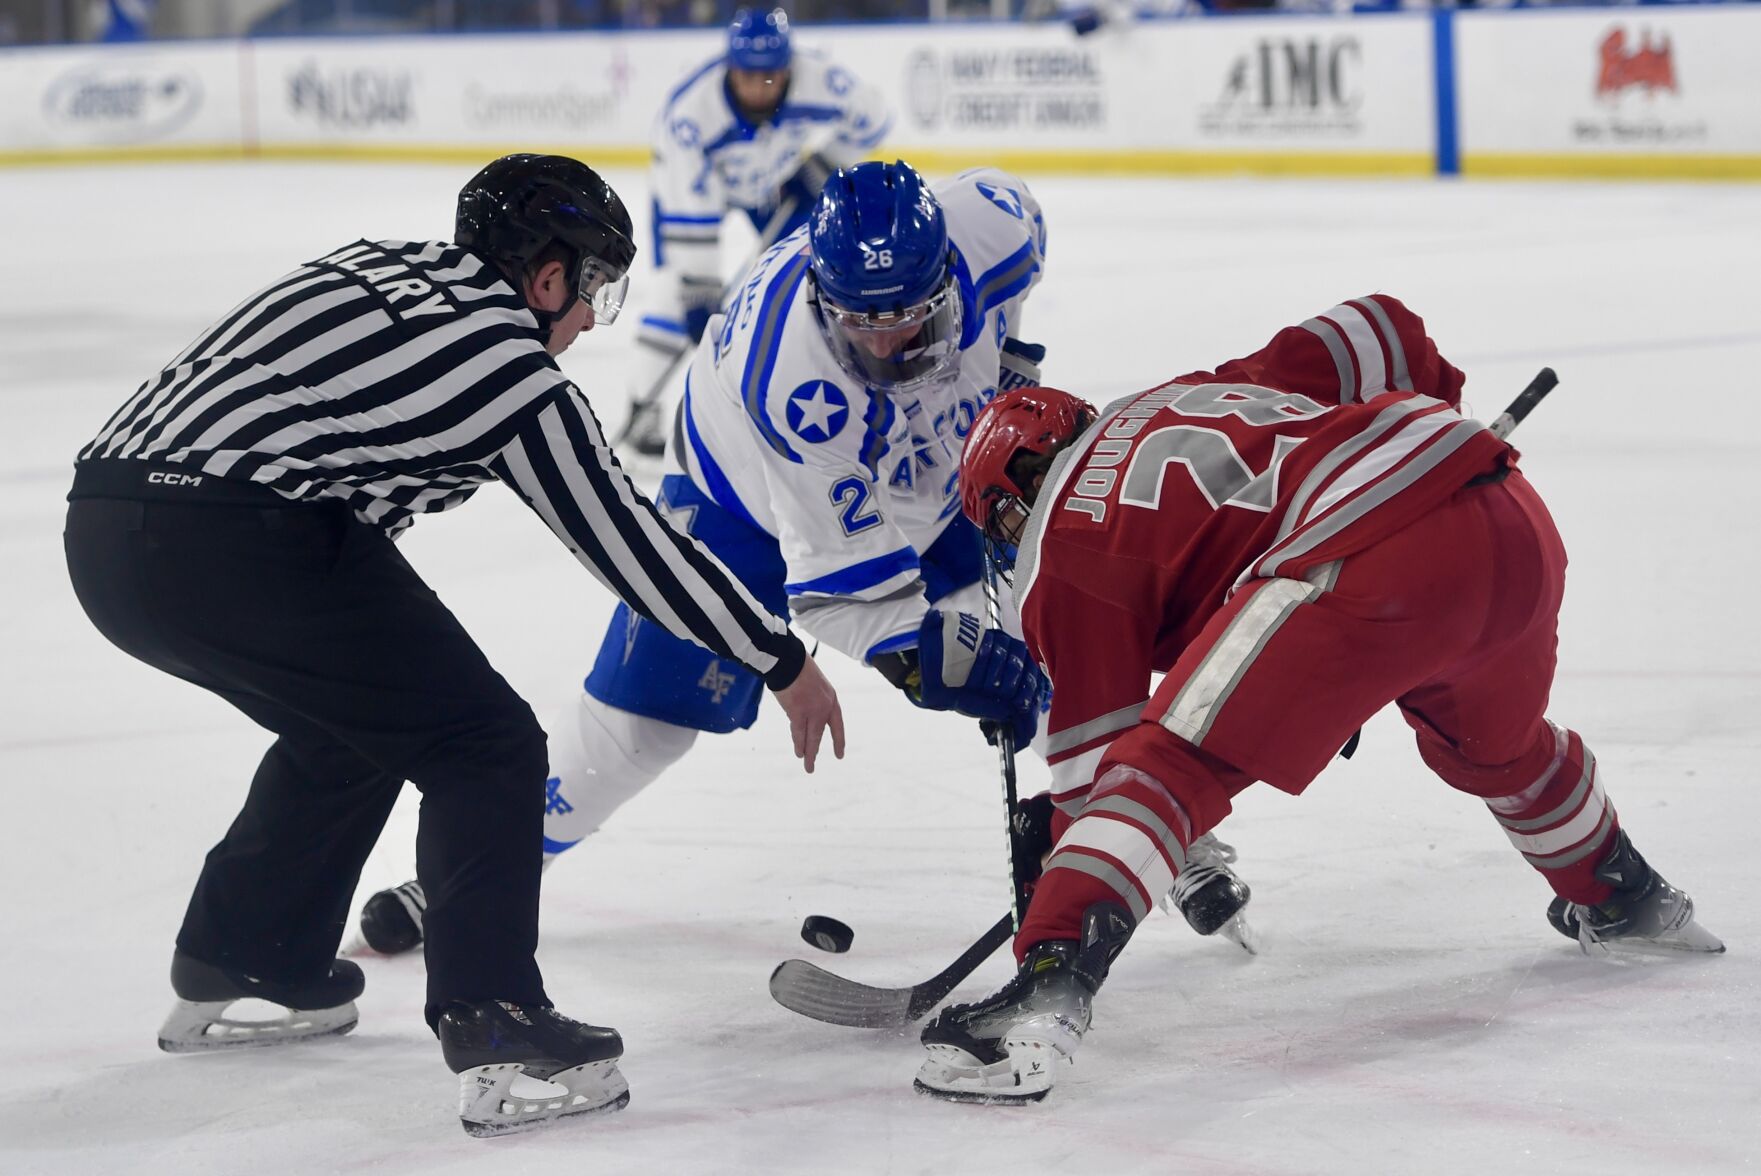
(818, 411)
(1007, 199)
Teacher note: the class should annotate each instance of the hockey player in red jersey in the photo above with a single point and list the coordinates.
(1295, 541)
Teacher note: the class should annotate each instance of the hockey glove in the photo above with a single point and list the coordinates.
(1019, 365)
(700, 296)
(981, 672)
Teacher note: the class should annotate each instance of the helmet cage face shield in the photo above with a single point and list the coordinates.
(895, 350)
(602, 286)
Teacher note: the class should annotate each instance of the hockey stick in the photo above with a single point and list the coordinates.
(1525, 402)
(813, 992)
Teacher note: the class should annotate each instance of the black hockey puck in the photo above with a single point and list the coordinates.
(827, 934)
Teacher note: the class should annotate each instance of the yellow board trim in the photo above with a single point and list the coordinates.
(1482, 165)
(940, 160)
(1501, 165)
(1170, 163)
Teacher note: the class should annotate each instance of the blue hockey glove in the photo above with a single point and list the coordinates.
(980, 672)
(1018, 366)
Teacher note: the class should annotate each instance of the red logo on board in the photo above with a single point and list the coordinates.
(1649, 66)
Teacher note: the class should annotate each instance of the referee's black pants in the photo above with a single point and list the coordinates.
(314, 625)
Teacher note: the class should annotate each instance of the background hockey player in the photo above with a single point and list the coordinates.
(755, 131)
(1325, 535)
(817, 455)
(232, 526)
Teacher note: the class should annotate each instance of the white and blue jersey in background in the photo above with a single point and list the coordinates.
(832, 502)
(709, 159)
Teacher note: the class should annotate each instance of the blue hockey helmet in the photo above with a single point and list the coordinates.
(883, 282)
(759, 40)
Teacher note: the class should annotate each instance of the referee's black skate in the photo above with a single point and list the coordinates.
(391, 921)
(1005, 1049)
(493, 1044)
(1643, 912)
(199, 1021)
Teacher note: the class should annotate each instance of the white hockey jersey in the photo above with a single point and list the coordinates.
(854, 483)
(709, 159)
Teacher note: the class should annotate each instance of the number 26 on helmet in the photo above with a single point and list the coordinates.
(881, 277)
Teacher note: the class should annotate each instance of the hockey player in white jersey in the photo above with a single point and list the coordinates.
(755, 131)
(816, 454)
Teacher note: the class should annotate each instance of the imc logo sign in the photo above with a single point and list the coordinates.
(1648, 66)
(1303, 88)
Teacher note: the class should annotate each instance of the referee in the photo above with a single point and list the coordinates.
(232, 525)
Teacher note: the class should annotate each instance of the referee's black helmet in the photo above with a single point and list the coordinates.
(519, 204)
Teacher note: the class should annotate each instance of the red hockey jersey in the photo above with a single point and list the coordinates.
(1340, 431)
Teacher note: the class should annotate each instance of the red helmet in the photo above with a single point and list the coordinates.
(1027, 422)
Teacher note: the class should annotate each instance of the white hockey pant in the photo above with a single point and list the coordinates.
(600, 757)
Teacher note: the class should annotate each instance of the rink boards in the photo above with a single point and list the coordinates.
(1625, 92)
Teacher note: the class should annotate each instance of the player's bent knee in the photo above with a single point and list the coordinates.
(1200, 784)
(1482, 770)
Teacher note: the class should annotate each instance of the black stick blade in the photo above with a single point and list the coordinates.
(813, 992)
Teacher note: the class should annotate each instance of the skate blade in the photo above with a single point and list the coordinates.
(979, 1098)
(1239, 932)
(1024, 1074)
(488, 1105)
(1693, 939)
(202, 1026)
(952, 1074)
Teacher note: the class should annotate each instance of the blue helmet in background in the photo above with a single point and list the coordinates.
(759, 40)
(882, 280)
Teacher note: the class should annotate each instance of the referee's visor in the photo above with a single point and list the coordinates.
(602, 286)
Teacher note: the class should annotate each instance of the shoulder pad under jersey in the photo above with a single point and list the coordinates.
(772, 357)
(998, 232)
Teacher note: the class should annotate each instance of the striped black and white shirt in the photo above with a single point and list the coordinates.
(398, 377)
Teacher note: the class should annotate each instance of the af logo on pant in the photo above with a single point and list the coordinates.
(716, 680)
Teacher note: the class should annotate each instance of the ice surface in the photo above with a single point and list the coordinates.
(1412, 1011)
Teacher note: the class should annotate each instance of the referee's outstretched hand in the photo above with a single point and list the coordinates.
(812, 707)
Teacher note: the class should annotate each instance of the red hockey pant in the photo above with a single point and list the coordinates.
(1453, 619)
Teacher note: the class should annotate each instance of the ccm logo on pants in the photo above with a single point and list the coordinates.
(161, 478)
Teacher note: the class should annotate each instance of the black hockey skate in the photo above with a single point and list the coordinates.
(391, 921)
(1209, 895)
(492, 1044)
(1004, 1049)
(323, 1008)
(1644, 910)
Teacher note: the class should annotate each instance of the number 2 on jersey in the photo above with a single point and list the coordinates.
(856, 512)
